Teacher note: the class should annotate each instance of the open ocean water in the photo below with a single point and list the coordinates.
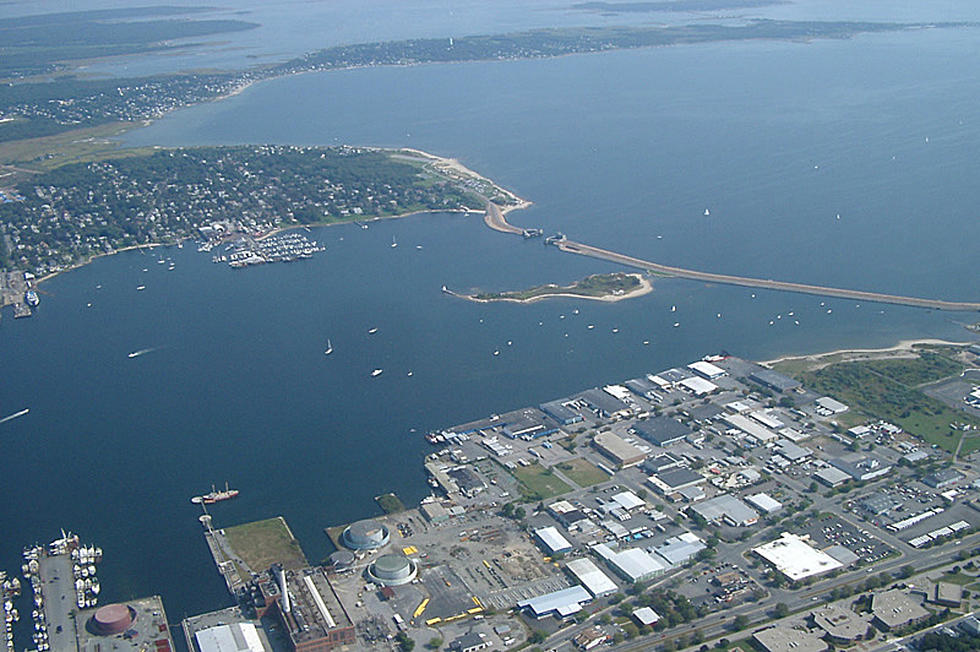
(616, 149)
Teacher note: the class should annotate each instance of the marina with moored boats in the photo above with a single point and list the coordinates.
(63, 581)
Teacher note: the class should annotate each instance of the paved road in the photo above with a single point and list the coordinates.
(495, 219)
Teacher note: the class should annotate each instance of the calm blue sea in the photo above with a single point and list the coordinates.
(616, 149)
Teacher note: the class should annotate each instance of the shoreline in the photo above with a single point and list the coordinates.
(903, 346)
(453, 164)
(646, 287)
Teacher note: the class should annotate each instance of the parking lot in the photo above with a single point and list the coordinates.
(832, 531)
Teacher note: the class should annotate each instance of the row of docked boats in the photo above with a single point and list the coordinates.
(10, 589)
(83, 561)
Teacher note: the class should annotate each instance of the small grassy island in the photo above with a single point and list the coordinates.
(602, 287)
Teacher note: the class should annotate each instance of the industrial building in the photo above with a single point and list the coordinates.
(310, 612)
(594, 580)
(562, 604)
(632, 564)
(861, 467)
(236, 637)
(661, 430)
(680, 549)
(726, 508)
(528, 424)
(674, 480)
(774, 380)
(698, 386)
(831, 476)
(552, 540)
(707, 370)
(942, 478)
(828, 406)
(793, 556)
(765, 502)
(662, 462)
(604, 404)
(757, 431)
(560, 412)
(368, 534)
(621, 452)
(646, 616)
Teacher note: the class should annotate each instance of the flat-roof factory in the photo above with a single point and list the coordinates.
(560, 412)
(707, 370)
(604, 403)
(828, 406)
(792, 556)
(752, 428)
(727, 508)
(680, 549)
(593, 579)
(552, 540)
(661, 430)
(831, 476)
(774, 380)
(563, 603)
(765, 502)
(620, 451)
(632, 564)
(236, 637)
(674, 480)
(698, 386)
(310, 611)
(861, 467)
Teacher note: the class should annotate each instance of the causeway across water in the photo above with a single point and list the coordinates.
(495, 219)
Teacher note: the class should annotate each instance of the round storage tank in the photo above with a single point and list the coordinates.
(112, 619)
(392, 570)
(342, 559)
(365, 535)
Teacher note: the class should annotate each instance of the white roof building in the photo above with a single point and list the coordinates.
(594, 580)
(765, 502)
(698, 386)
(628, 501)
(563, 603)
(633, 564)
(552, 539)
(646, 616)
(792, 556)
(707, 370)
(237, 637)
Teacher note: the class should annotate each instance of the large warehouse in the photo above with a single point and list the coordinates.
(792, 556)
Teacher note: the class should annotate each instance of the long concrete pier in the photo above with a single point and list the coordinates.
(495, 219)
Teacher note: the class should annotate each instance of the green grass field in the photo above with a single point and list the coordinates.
(878, 390)
(262, 543)
(582, 472)
(537, 482)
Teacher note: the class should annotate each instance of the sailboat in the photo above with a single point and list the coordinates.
(394, 243)
(329, 348)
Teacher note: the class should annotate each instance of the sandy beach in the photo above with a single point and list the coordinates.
(904, 348)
